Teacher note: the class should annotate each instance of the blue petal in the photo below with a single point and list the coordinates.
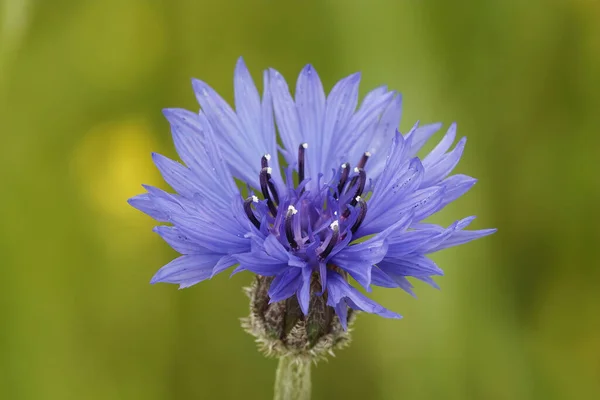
(211, 227)
(267, 122)
(355, 141)
(393, 195)
(304, 292)
(380, 278)
(373, 97)
(242, 162)
(260, 263)
(365, 304)
(219, 114)
(275, 249)
(441, 236)
(286, 115)
(341, 310)
(383, 137)
(247, 99)
(267, 132)
(429, 238)
(188, 136)
(350, 143)
(419, 136)
(157, 203)
(310, 103)
(224, 263)
(428, 280)
(285, 285)
(256, 119)
(179, 242)
(462, 237)
(323, 276)
(195, 143)
(437, 171)
(425, 202)
(420, 204)
(442, 147)
(339, 289)
(455, 186)
(241, 139)
(221, 122)
(421, 239)
(371, 138)
(187, 270)
(340, 106)
(358, 259)
(415, 265)
(177, 176)
(217, 171)
(145, 204)
(407, 242)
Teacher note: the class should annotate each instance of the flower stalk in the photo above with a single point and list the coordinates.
(292, 380)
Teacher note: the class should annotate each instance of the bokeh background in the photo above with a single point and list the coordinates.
(82, 85)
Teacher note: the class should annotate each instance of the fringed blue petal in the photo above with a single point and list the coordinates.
(187, 270)
(358, 259)
(285, 285)
(339, 290)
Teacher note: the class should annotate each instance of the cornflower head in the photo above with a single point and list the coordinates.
(349, 203)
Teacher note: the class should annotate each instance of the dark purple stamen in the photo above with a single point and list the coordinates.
(289, 229)
(301, 150)
(358, 185)
(267, 186)
(248, 209)
(361, 214)
(273, 190)
(363, 160)
(343, 178)
(335, 228)
(360, 178)
(265, 177)
(264, 161)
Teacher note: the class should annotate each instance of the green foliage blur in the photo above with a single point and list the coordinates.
(82, 85)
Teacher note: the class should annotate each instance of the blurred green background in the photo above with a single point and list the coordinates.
(82, 85)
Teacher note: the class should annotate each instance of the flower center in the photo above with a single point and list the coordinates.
(310, 223)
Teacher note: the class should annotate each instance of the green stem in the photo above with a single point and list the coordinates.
(292, 381)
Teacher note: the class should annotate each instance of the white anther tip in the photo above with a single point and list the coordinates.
(344, 165)
(268, 156)
(356, 169)
(304, 145)
(357, 198)
(335, 225)
(367, 153)
(254, 199)
(292, 209)
(269, 170)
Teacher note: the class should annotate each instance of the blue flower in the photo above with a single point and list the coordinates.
(349, 203)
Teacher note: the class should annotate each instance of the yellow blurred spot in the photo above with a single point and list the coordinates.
(112, 162)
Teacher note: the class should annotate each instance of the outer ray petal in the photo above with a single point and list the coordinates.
(339, 290)
(187, 270)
